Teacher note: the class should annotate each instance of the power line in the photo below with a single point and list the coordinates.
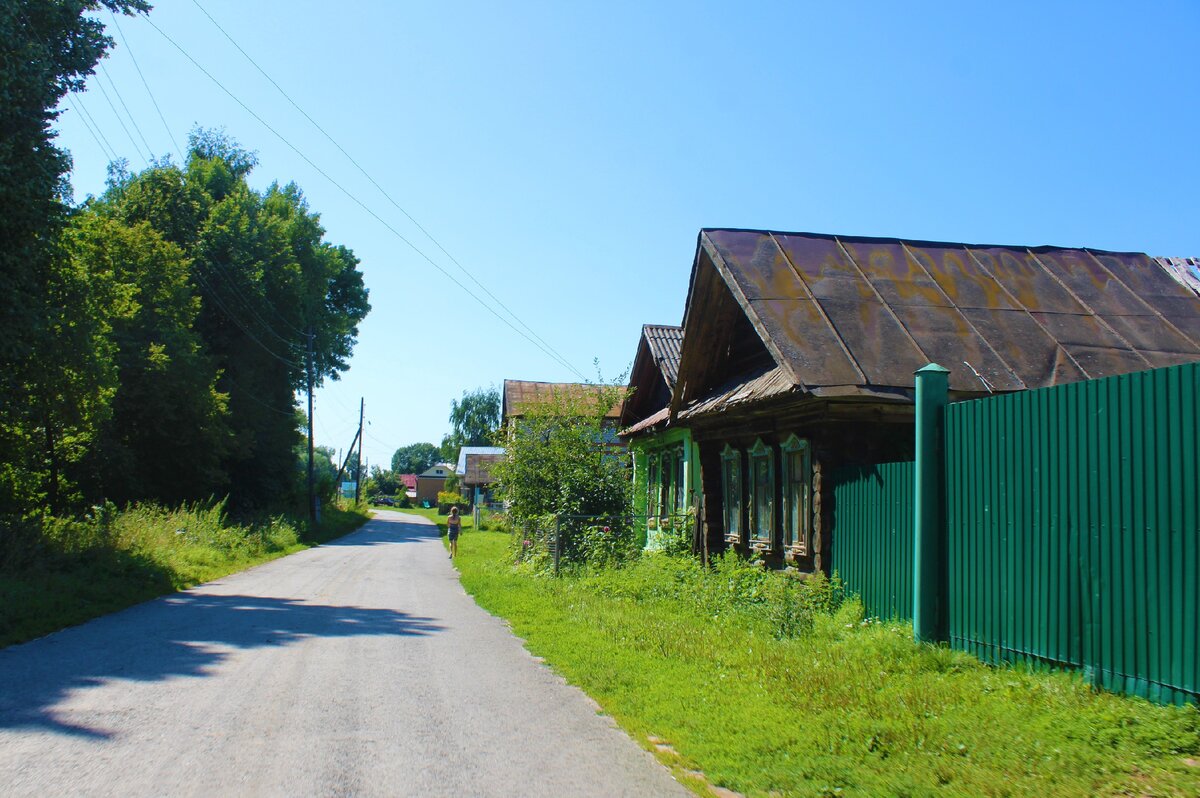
(241, 297)
(95, 137)
(558, 357)
(132, 120)
(163, 119)
(237, 322)
(121, 121)
(363, 205)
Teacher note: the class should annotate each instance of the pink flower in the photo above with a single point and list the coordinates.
(605, 529)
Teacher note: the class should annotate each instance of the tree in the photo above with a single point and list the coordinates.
(477, 417)
(559, 459)
(50, 47)
(415, 458)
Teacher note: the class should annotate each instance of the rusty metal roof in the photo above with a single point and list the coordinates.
(520, 395)
(664, 342)
(763, 384)
(839, 311)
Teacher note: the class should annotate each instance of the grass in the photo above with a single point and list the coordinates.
(64, 572)
(844, 706)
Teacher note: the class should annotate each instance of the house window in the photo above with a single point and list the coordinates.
(681, 492)
(731, 473)
(797, 494)
(653, 486)
(762, 486)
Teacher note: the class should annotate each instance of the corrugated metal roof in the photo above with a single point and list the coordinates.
(479, 467)
(665, 342)
(649, 422)
(521, 395)
(461, 467)
(756, 387)
(1185, 270)
(847, 311)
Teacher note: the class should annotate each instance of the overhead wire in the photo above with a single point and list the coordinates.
(353, 198)
(238, 323)
(132, 119)
(555, 354)
(120, 121)
(88, 125)
(154, 102)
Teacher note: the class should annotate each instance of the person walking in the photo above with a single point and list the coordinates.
(453, 528)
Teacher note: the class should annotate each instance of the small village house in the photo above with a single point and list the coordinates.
(521, 396)
(474, 470)
(798, 353)
(431, 481)
(666, 472)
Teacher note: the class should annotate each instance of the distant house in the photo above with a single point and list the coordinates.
(474, 471)
(798, 352)
(666, 462)
(521, 396)
(409, 481)
(432, 480)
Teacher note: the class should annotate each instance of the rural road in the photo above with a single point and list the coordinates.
(357, 668)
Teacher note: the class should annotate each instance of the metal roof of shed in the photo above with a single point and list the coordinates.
(840, 311)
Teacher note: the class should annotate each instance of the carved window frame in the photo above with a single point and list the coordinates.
(731, 492)
(762, 520)
(797, 495)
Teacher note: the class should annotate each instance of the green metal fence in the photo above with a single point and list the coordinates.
(1072, 523)
(872, 542)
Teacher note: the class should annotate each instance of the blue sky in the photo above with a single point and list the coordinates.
(567, 154)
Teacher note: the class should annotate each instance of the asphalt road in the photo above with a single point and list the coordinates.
(357, 668)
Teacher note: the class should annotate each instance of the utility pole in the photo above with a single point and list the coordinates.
(362, 405)
(312, 496)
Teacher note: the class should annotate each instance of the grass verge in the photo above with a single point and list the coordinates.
(60, 573)
(847, 707)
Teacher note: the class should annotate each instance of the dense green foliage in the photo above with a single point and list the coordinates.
(151, 340)
(776, 687)
(53, 390)
(65, 572)
(415, 458)
(559, 460)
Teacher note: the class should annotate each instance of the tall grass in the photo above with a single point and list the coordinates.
(773, 686)
(58, 572)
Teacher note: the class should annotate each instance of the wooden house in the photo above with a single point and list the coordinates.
(521, 396)
(798, 353)
(666, 471)
(474, 472)
(431, 481)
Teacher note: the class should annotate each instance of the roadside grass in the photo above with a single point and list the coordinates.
(63, 572)
(848, 706)
(468, 523)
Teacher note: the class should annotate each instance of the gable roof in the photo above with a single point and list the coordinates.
(664, 342)
(479, 467)
(843, 315)
(1185, 270)
(653, 374)
(521, 395)
(461, 467)
(409, 481)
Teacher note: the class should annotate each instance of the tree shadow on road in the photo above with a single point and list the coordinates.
(186, 634)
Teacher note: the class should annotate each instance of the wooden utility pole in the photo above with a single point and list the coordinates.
(362, 404)
(312, 496)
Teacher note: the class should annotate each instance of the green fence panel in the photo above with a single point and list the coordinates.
(1073, 525)
(872, 521)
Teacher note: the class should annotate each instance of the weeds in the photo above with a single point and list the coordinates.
(57, 572)
(772, 684)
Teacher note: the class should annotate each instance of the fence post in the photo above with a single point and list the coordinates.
(557, 543)
(929, 531)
